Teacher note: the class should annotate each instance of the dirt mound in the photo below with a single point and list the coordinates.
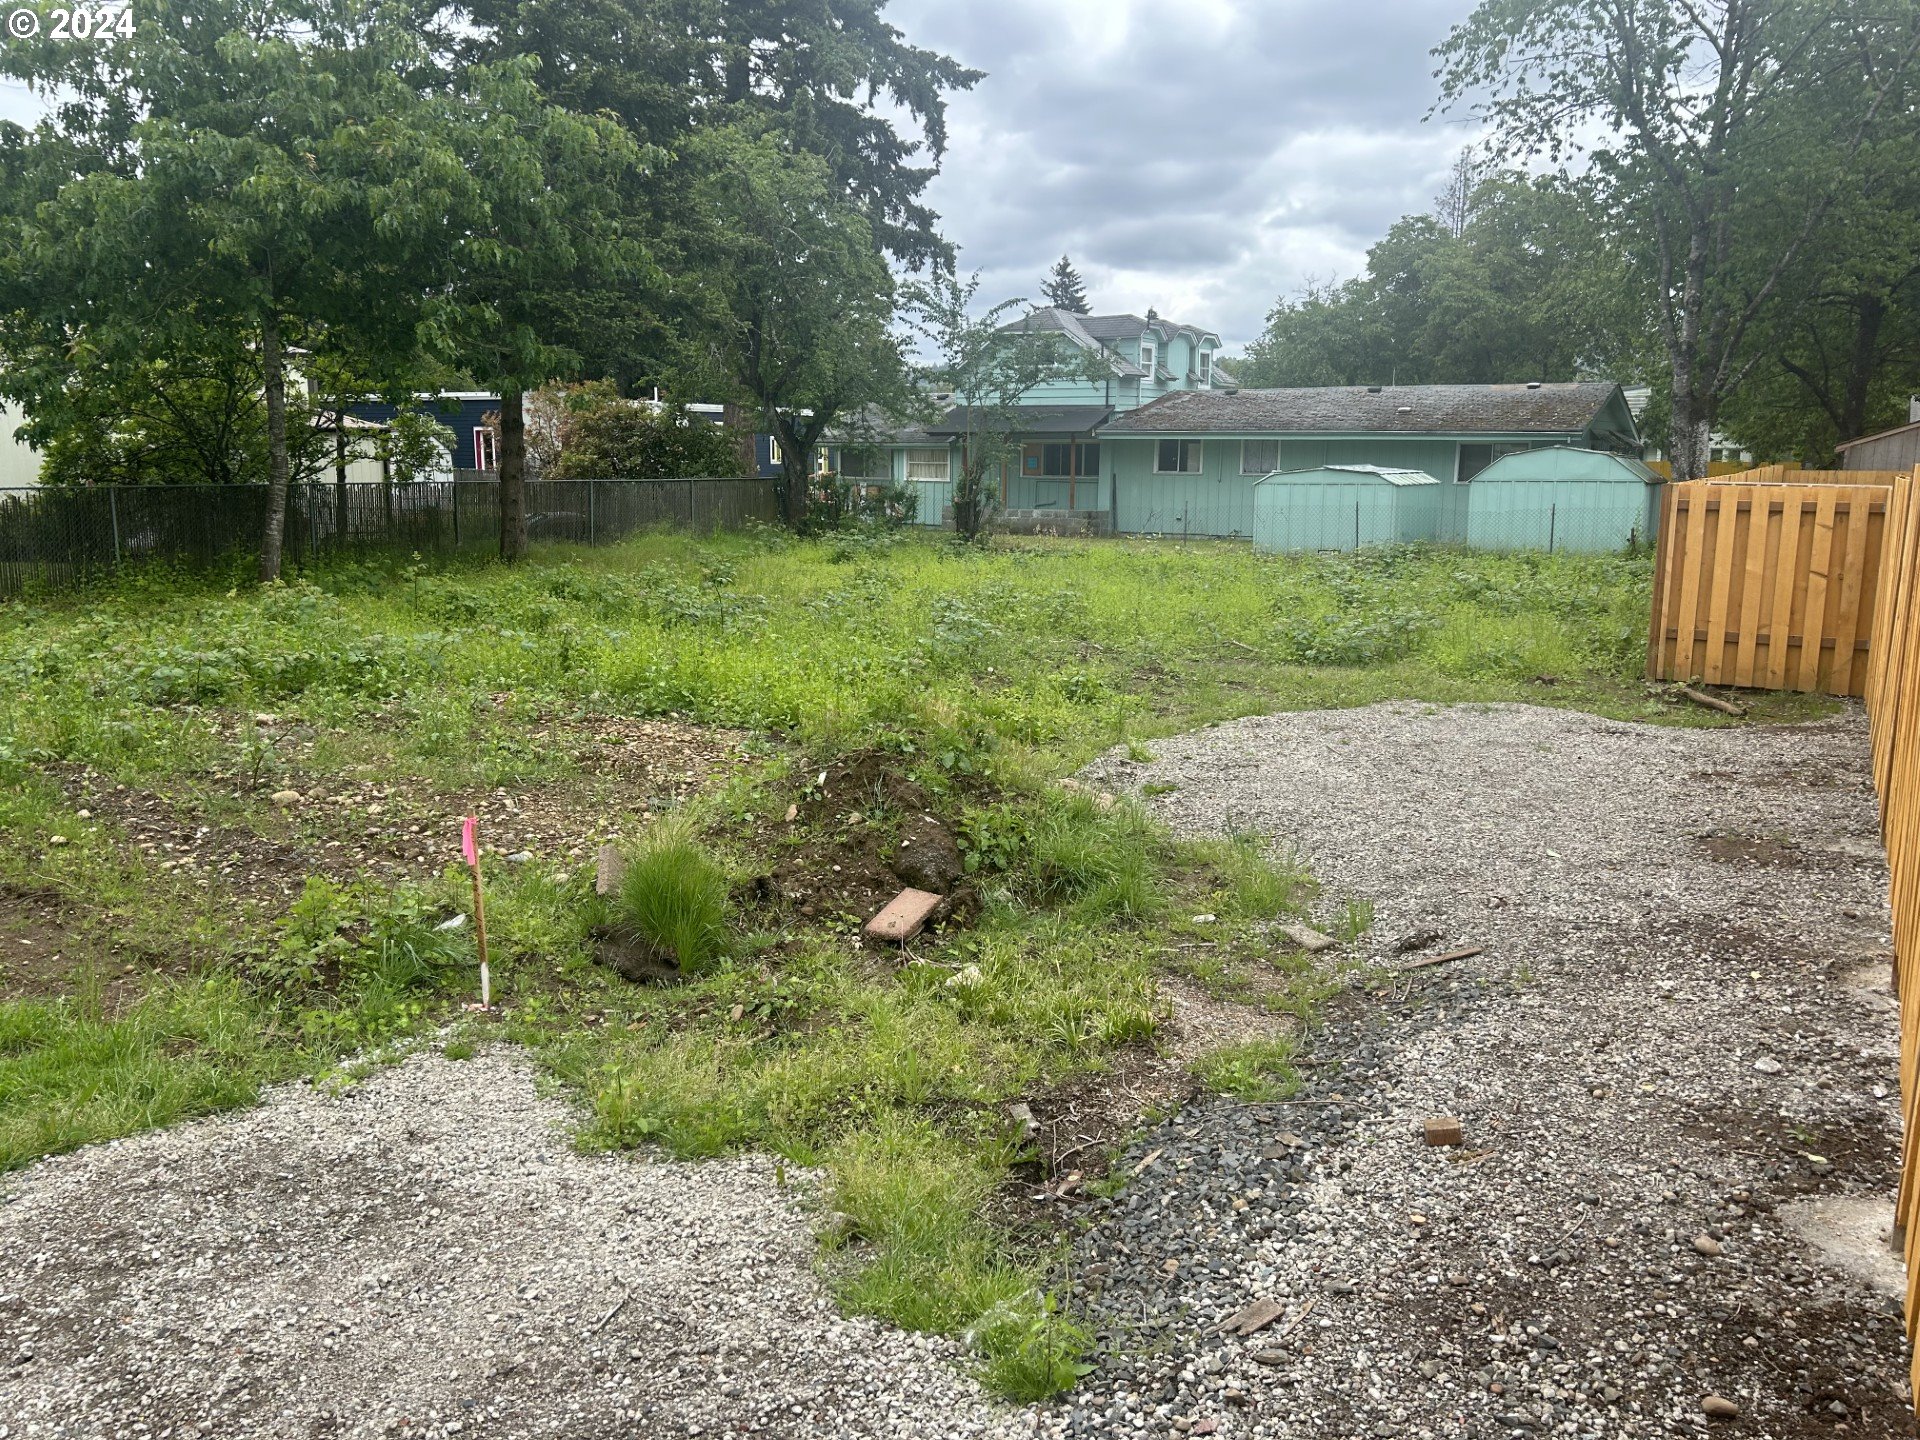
(861, 830)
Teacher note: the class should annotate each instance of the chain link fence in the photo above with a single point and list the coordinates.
(55, 539)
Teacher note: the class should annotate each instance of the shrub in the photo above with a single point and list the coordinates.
(674, 896)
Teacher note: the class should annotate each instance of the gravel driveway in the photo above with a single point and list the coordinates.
(423, 1255)
(1675, 1064)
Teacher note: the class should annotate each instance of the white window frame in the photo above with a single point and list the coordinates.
(1149, 358)
(1206, 367)
(919, 455)
(486, 448)
(773, 451)
(1245, 469)
(1199, 456)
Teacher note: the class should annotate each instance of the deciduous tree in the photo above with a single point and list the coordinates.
(1726, 130)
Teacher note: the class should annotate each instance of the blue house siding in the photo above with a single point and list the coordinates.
(461, 414)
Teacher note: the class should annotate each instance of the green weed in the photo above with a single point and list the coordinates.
(674, 896)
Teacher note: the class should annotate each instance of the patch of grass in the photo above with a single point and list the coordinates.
(1255, 1070)
(674, 896)
(1354, 920)
(1252, 882)
(71, 1075)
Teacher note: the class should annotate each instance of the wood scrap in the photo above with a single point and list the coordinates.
(1712, 702)
(1248, 1319)
(1465, 953)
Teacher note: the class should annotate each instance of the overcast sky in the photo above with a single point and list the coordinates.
(1202, 157)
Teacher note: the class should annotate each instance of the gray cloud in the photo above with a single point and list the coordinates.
(1202, 158)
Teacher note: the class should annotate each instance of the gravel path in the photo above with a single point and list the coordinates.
(423, 1255)
(1678, 1032)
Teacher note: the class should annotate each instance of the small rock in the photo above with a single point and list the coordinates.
(519, 857)
(1707, 1245)
(1021, 1114)
(1718, 1407)
(56, 839)
(1307, 938)
(1767, 1065)
(1206, 919)
(284, 798)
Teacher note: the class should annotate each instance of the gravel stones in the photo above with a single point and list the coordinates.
(1599, 1051)
(424, 1255)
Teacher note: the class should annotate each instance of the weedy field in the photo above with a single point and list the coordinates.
(229, 821)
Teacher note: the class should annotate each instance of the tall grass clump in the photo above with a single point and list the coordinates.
(674, 896)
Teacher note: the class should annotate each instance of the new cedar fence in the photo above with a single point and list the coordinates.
(1773, 586)
(1893, 710)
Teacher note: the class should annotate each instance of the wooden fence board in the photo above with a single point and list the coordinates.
(1768, 585)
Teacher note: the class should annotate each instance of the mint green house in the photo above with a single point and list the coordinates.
(1343, 507)
(1188, 464)
(1158, 439)
(1059, 467)
(1563, 498)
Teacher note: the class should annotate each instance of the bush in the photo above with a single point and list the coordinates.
(618, 439)
(674, 897)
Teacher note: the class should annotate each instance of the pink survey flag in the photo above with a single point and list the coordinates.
(469, 840)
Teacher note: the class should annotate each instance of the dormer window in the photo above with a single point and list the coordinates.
(1149, 358)
(1206, 367)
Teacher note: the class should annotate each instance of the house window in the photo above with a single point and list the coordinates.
(1259, 457)
(927, 465)
(1149, 357)
(486, 448)
(865, 462)
(1177, 457)
(1059, 462)
(1206, 367)
(773, 451)
(1473, 459)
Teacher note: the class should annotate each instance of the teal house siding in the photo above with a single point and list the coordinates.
(1216, 501)
(1563, 499)
(1333, 507)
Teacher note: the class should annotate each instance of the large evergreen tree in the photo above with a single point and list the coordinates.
(1063, 288)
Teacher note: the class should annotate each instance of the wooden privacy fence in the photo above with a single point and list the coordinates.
(1772, 586)
(1893, 711)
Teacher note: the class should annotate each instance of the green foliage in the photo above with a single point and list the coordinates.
(415, 446)
(1254, 1070)
(674, 896)
(1525, 280)
(990, 372)
(627, 440)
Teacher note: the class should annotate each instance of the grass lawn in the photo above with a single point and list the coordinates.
(172, 936)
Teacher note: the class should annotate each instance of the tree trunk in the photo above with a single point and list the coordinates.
(1870, 314)
(513, 474)
(339, 476)
(747, 447)
(273, 371)
(796, 476)
(1690, 446)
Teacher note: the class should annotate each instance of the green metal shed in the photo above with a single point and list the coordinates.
(1562, 498)
(1342, 507)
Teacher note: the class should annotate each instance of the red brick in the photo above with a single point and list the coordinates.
(904, 916)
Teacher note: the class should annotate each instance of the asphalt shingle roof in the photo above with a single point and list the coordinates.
(1362, 410)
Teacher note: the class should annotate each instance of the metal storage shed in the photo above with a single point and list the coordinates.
(1342, 507)
(1562, 498)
